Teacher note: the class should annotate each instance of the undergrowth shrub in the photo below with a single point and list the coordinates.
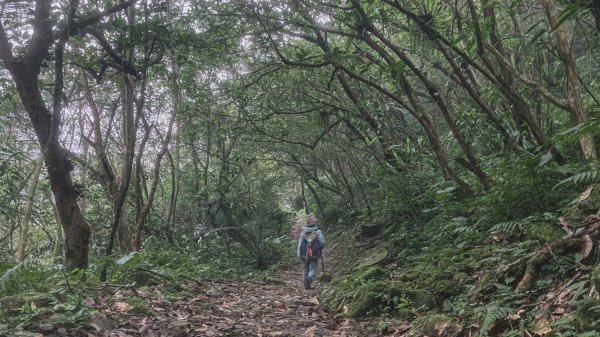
(522, 187)
(42, 292)
(397, 196)
(373, 291)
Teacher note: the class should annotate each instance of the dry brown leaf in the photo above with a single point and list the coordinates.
(586, 194)
(313, 300)
(441, 327)
(588, 244)
(279, 305)
(145, 327)
(541, 327)
(564, 296)
(514, 317)
(201, 298)
(121, 306)
(310, 332)
(565, 224)
(28, 334)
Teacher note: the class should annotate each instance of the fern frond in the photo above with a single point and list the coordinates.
(463, 230)
(583, 177)
(14, 271)
(10, 273)
(507, 227)
(493, 314)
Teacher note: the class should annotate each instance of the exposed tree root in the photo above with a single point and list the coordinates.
(539, 258)
(526, 268)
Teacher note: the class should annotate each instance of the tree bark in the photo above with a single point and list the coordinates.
(572, 87)
(77, 231)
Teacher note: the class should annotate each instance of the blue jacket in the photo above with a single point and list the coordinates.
(309, 229)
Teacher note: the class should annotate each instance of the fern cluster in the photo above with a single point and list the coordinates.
(509, 227)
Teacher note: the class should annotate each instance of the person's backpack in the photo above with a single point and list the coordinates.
(310, 248)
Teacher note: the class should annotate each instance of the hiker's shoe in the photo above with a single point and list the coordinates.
(307, 284)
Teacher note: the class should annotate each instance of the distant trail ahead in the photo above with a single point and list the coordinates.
(240, 309)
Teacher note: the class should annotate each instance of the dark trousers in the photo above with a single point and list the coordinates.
(310, 272)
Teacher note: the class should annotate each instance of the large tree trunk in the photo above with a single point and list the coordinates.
(59, 166)
(27, 212)
(25, 69)
(25, 73)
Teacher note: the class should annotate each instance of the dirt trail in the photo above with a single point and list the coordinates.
(238, 308)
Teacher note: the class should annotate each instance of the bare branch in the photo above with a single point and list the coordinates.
(561, 103)
(122, 64)
(93, 18)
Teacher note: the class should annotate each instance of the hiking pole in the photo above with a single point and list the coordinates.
(322, 264)
(324, 278)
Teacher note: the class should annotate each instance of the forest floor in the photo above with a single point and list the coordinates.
(276, 307)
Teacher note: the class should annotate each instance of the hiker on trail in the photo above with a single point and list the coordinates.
(310, 248)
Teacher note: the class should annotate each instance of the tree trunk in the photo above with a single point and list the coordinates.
(174, 163)
(572, 88)
(25, 70)
(175, 177)
(304, 199)
(139, 177)
(28, 209)
(436, 95)
(77, 231)
(317, 200)
(58, 249)
(140, 222)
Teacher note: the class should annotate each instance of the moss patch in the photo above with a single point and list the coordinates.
(543, 230)
(372, 259)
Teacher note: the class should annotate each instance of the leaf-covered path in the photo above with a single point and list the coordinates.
(277, 307)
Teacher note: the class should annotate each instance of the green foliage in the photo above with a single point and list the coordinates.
(138, 306)
(507, 227)
(543, 228)
(372, 291)
(522, 188)
(427, 324)
(493, 314)
(582, 322)
(22, 275)
(581, 178)
(42, 293)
